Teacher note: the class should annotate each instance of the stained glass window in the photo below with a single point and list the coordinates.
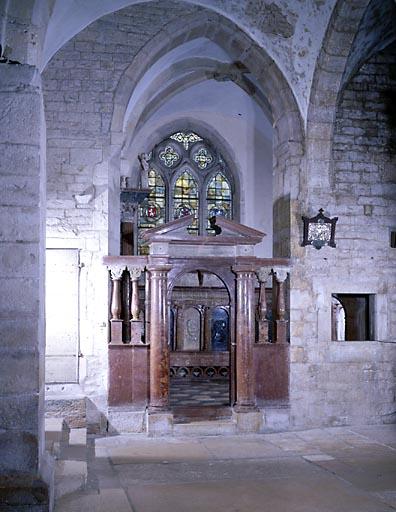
(152, 211)
(218, 198)
(169, 156)
(203, 158)
(187, 175)
(186, 138)
(186, 199)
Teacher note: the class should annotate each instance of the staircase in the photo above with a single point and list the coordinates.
(69, 449)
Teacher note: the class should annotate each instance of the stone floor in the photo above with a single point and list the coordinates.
(199, 393)
(345, 469)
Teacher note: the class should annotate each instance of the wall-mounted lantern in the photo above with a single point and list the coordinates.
(319, 230)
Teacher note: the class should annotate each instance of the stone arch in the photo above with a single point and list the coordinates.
(326, 86)
(225, 276)
(288, 143)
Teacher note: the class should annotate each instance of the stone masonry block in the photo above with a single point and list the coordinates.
(19, 450)
(87, 157)
(19, 159)
(19, 412)
(20, 118)
(19, 372)
(19, 260)
(27, 227)
(19, 297)
(19, 191)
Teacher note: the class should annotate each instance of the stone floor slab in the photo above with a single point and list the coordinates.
(237, 447)
(108, 500)
(291, 495)
(283, 472)
(156, 450)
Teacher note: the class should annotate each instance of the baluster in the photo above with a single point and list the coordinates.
(280, 313)
(263, 274)
(116, 272)
(136, 322)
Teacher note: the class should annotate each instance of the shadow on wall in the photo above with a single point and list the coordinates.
(282, 227)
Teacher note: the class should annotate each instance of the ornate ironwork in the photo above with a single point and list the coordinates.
(319, 230)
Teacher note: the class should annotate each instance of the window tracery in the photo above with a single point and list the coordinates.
(187, 175)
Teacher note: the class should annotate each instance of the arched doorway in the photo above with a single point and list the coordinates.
(200, 343)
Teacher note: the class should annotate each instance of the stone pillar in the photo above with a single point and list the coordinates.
(245, 330)
(22, 341)
(280, 307)
(158, 336)
(263, 274)
(116, 305)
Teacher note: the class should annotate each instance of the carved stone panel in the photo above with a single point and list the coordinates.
(190, 331)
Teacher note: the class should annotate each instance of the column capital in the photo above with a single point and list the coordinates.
(281, 273)
(162, 267)
(116, 271)
(246, 268)
(135, 271)
(263, 274)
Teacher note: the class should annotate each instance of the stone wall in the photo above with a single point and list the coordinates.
(79, 85)
(351, 382)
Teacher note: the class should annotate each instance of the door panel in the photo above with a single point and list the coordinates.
(62, 315)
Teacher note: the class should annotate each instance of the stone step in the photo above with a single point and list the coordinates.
(205, 428)
(78, 437)
(76, 449)
(70, 476)
(56, 435)
(56, 430)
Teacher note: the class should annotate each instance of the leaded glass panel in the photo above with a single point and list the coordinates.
(186, 199)
(218, 198)
(203, 158)
(186, 138)
(169, 156)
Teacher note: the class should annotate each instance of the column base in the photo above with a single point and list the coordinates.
(126, 420)
(159, 422)
(136, 332)
(116, 332)
(248, 419)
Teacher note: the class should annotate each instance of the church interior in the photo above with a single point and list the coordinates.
(198, 238)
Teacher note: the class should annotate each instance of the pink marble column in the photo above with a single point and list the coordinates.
(158, 338)
(245, 336)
